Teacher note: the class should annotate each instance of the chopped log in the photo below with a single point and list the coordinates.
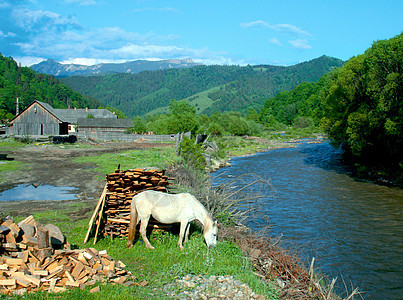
(56, 237)
(43, 237)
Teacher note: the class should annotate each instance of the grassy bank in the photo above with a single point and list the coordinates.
(167, 263)
(158, 267)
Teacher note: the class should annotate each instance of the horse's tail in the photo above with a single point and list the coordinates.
(132, 224)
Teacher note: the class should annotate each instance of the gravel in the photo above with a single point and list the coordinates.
(210, 287)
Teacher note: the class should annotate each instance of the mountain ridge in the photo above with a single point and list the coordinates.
(239, 88)
(57, 69)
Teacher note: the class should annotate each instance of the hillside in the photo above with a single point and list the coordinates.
(232, 87)
(52, 67)
(23, 82)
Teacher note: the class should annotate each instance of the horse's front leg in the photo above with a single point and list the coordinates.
(143, 232)
(182, 233)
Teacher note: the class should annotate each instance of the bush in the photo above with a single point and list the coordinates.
(192, 154)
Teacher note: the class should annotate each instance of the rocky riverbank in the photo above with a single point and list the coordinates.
(210, 287)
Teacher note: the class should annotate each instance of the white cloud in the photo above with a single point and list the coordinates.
(4, 4)
(38, 20)
(161, 9)
(52, 35)
(258, 23)
(90, 61)
(8, 34)
(275, 41)
(300, 44)
(81, 2)
(27, 61)
(285, 28)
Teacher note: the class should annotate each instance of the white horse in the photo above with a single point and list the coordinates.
(168, 209)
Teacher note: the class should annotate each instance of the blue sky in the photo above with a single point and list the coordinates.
(211, 32)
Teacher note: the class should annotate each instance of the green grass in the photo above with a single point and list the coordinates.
(200, 100)
(157, 158)
(9, 166)
(10, 144)
(158, 267)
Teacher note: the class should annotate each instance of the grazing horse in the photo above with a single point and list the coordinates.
(168, 209)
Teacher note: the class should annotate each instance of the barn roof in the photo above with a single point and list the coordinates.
(47, 107)
(51, 110)
(104, 123)
(72, 115)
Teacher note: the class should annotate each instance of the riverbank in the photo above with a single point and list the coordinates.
(157, 268)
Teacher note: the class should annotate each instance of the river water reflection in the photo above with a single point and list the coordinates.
(352, 228)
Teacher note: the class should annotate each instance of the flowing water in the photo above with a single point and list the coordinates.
(353, 228)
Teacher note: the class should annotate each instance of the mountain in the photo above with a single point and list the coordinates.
(28, 85)
(52, 67)
(208, 88)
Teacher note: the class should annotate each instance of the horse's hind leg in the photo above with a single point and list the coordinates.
(184, 224)
(187, 233)
(143, 232)
(132, 227)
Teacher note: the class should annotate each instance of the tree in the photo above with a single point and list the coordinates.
(182, 117)
(363, 111)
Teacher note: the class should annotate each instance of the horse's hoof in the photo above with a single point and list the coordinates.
(150, 247)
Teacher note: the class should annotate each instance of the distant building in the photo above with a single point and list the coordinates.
(40, 118)
(88, 125)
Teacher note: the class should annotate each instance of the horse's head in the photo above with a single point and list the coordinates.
(210, 234)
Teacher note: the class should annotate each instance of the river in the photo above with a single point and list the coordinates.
(353, 228)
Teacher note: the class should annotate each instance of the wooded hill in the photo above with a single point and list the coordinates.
(25, 83)
(208, 88)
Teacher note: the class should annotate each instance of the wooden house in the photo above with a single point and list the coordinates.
(39, 118)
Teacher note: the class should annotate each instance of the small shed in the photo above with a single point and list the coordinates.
(39, 118)
(91, 125)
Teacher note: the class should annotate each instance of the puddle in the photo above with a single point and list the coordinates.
(25, 192)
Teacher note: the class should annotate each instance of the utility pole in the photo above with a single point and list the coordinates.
(17, 108)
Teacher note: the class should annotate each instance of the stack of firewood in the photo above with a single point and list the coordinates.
(29, 263)
(112, 212)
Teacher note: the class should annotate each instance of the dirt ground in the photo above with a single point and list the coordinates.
(52, 165)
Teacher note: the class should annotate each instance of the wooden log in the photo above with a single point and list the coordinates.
(43, 237)
(7, 282)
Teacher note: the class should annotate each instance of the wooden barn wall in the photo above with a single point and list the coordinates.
(30, 121)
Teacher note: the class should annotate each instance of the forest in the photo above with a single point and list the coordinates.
(226, 88)
(357, 104)
(28, 86)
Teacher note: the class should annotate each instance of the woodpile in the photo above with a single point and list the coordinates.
(31, 262)
(112, 213)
